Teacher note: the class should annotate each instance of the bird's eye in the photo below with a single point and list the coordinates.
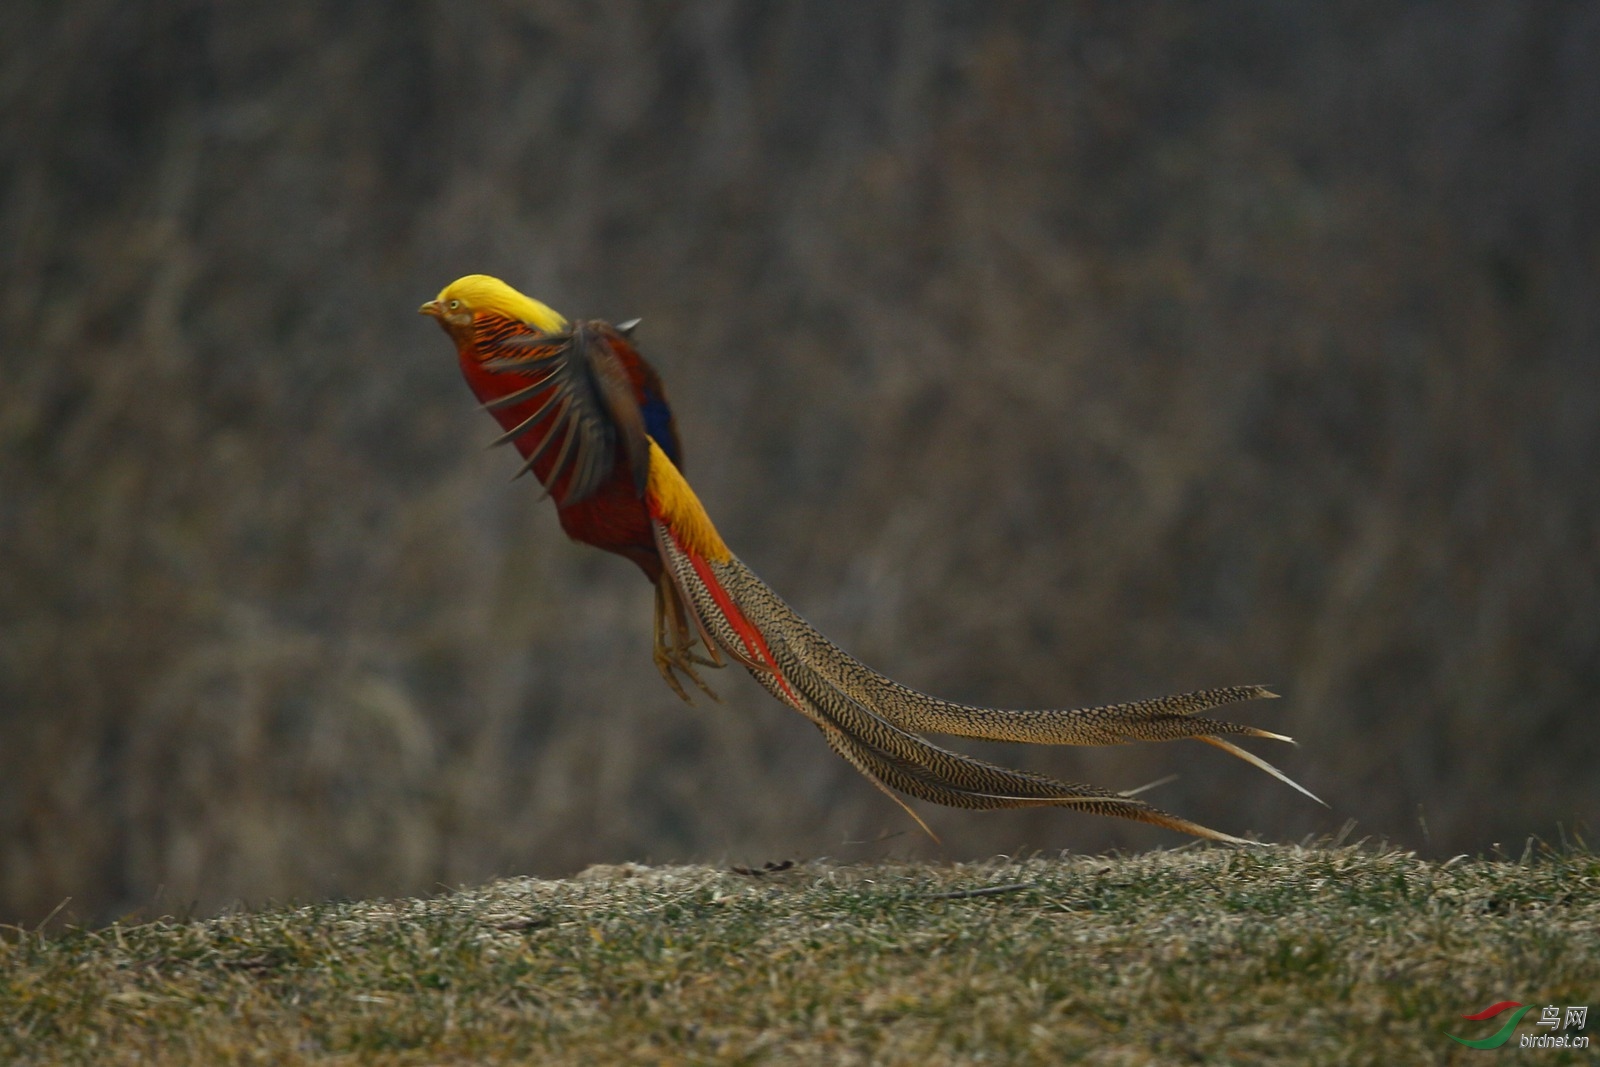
(454, 304)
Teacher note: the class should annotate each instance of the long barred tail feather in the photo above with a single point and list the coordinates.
(876, 723)
(1167, 718)
(871, 721)
(1256, 761)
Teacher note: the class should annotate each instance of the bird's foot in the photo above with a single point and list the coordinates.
(675, 641)
(672, 662)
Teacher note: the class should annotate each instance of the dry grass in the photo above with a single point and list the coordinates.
(1325, 956)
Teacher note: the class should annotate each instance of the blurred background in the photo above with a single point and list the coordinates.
(1041, 353)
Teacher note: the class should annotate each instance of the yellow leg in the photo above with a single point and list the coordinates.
(674, 651)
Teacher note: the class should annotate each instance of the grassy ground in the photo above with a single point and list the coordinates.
(1344, 955)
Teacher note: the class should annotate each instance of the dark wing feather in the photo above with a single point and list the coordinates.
(589, 409)
(616, 392)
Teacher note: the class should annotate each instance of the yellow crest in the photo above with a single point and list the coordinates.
(480, 292)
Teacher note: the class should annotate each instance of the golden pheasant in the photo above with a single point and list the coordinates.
(592, 422)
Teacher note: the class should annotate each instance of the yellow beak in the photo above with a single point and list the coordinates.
(430, 308)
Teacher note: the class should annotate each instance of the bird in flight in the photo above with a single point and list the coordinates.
(591, 420)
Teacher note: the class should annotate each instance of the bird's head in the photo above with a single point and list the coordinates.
(459, 302)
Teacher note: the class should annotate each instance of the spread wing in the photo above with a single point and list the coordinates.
(585, 413)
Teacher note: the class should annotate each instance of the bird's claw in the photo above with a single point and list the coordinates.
(681, 661)
(674, 651)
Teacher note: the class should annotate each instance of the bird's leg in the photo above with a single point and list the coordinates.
(685, 636)
(674, 651)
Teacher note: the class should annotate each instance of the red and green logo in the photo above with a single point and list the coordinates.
(1501, 1036)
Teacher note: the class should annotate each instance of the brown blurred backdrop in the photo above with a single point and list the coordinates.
(1041, 353)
